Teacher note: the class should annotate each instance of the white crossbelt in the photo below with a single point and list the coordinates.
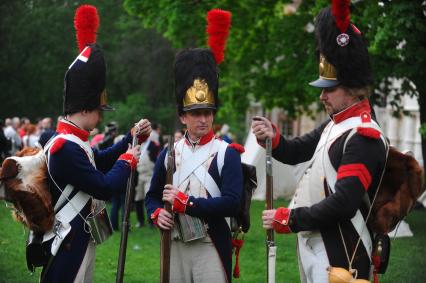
(358, 220)
(195, 166)
(66, 214)
(196, 158)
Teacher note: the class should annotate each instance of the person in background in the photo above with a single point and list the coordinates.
(5, 144)
(117, 199)
(96, 137)
(30, 138)
(10, 132)
(156, 136)
(111, 132)
(178, 135)
(24, 122)
(150, 150)
(225, 134)
(46, 130)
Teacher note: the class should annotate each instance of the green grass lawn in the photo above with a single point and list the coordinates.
(142, 263)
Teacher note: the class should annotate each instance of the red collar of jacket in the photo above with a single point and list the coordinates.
(203, 140)
(354, 110)
(66, 127)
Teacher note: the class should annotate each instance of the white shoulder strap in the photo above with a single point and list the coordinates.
(67, 213)
(358, 220)
(221, 156)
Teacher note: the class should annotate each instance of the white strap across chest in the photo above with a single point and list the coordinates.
(331, 175)
(192, 163)
(336, 131)
(67, 213)
(68, 188)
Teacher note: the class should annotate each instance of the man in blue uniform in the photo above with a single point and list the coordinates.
(207, 182)
(345, 158)
(79, 176)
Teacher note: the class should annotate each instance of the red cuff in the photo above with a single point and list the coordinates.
(141, 138)
(130, 159)
(275, 140)
(281, 219)
(179, 204)
(154, 216)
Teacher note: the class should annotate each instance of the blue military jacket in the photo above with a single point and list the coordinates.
(69, 164)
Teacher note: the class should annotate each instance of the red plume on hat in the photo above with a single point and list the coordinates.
(340, 10)
(86, 24)
(218, 25)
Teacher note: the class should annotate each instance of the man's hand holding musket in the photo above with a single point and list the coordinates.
(142, 129)
(262, 128)
(165, 218)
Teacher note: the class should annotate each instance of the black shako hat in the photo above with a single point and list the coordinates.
(342, 51)
(85, 80)
(196, 69)
(196, 80)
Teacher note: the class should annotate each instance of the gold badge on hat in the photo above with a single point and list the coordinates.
(198, 94)
(326, 70)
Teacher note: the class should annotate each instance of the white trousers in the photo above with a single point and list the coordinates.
(195, 262)
(312, 256)
(85, 273)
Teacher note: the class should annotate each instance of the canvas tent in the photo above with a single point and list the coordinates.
(284, 180)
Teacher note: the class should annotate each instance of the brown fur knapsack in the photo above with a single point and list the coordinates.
(24, 177)
(401, 186)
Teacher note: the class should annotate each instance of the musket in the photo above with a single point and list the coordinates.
(271, 249)
(166, 235)
(125, 227)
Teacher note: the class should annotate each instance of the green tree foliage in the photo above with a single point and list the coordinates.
(35, 51)
(270, 54)
(398, 45)
(38, 44)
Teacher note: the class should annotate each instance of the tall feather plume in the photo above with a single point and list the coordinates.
(86, 24)
(340, 10)
(218, 25)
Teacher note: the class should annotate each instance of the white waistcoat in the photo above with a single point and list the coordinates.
(310, 189)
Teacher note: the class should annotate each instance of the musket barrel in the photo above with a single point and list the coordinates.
(166, 234)
(125, 225)
(269, 197)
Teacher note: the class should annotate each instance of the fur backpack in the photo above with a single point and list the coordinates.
(25, 185)
(401, 186)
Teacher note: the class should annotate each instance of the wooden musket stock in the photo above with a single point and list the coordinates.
(166, 234)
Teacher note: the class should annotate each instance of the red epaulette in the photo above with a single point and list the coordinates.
(366, 129)
(237, 147)
(57, 145)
